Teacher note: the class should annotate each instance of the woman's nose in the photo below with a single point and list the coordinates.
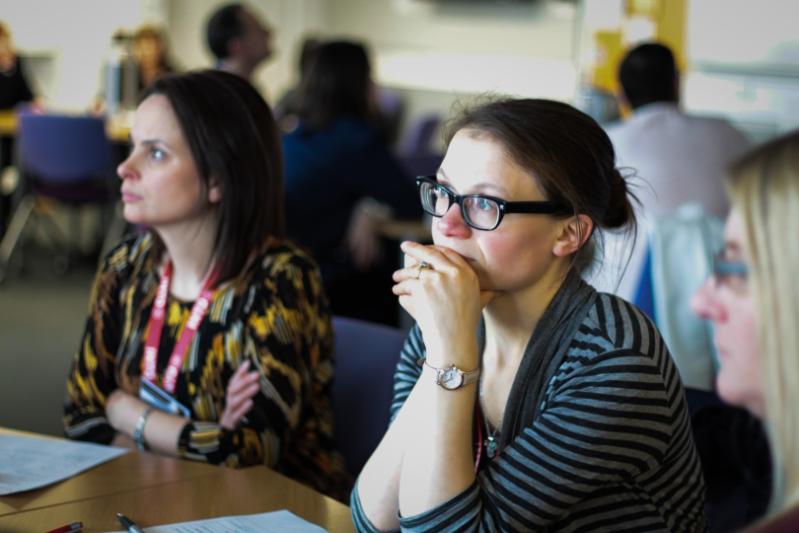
(705, 303)
(451, 223)
(126, 168)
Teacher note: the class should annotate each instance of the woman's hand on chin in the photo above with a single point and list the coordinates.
(445, 299)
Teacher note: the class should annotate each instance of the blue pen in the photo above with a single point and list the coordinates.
(129, 524)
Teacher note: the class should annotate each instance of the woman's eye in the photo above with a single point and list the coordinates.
(484, 204)
(156, 154)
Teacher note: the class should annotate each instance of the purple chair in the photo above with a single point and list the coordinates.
(65, 159)
(418, 140)
(416, 152)
(366, 357)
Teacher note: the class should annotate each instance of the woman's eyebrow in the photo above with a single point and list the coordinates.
(154, 142)
(482, 187)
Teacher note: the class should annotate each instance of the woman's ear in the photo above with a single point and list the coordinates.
(214, 191)
(574, 233)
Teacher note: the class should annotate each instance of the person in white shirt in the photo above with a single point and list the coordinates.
(671, 158)
(676, 165)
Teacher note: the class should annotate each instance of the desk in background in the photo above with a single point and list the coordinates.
(159, 490)
(8, 123)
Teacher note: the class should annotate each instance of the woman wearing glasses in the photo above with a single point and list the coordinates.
(753, 301)
(524, 399)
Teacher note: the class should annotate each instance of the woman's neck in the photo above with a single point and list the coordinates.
(7, 62)
(191, 251)
(511, 317)
(238, 67)
(149, 72)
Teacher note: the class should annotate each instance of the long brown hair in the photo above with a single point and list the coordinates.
(234, 139)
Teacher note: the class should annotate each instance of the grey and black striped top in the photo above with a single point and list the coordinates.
(611, 450)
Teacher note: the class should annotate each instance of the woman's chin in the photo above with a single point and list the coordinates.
(731, 392)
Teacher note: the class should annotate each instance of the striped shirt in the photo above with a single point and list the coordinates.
(611, 449)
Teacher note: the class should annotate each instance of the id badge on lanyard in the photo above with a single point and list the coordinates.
(155, 396)
(149, 391)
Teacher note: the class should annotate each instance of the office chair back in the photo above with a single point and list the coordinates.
(417, 152)
(58, 149)
(366, 357)
(418, 140)
(67, 159)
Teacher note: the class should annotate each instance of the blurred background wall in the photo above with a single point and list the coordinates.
(741, 57)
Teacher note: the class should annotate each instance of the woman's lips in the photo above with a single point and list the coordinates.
(129, 197)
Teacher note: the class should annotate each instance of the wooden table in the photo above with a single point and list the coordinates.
(158, 490)
(130, 472)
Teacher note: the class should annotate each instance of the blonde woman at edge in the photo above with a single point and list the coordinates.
(753, 300)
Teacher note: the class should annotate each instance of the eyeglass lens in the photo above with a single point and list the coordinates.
(478, 211)
(729, 272)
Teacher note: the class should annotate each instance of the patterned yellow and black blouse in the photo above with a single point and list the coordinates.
(274, 314)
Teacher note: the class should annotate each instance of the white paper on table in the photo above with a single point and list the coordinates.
(275, 522)
(28, 463)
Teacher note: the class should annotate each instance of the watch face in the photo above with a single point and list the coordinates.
(451, 378)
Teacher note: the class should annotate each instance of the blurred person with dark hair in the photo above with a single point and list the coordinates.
(14, 87)
(681, 157)
(238, 39)
(151, 54)
(209, 336)
(14, 91)
(341, 180)
(287, 109)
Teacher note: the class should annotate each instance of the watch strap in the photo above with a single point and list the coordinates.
(138, 431)
(469, 376)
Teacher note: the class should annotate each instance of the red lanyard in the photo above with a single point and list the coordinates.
(156, 325)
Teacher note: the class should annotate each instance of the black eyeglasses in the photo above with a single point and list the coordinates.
(478, 210)
(726, 270)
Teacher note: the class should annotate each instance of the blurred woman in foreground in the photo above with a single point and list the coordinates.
(753, 300)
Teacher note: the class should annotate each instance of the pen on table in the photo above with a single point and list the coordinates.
(69, 528)
(129, 524)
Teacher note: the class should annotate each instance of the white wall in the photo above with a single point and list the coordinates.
(432, 52)
(68, 41)
(523, 49)
(289, 19)
(744, 63)
(428, 49)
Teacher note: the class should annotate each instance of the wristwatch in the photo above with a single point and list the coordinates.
(451, 377)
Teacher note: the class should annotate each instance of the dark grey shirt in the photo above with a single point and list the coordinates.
(611, 450)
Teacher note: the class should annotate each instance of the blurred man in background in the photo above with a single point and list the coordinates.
(681, 158)
(238, 39)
